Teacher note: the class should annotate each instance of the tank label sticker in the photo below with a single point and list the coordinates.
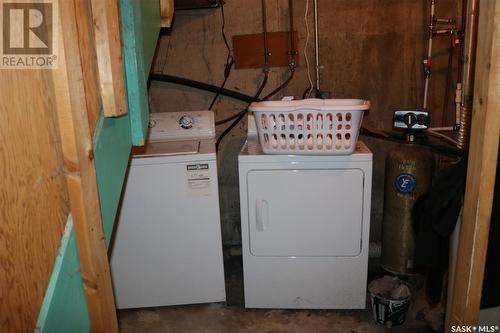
(405, 183)
(198, 179)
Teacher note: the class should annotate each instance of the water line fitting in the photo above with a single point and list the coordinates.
(444, 20)
(428, 61)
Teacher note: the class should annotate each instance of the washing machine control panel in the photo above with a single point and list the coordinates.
(186, 122)
(180, 126)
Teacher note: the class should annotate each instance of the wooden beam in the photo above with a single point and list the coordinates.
(106, 18)
(481, 171)
(167, 13)
(88, 58)
(72, 105)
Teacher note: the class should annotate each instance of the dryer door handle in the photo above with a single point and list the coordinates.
(261, 214)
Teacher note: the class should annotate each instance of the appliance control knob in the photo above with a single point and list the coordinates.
(186, 122)
(410, 119)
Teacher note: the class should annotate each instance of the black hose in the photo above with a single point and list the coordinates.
(227, 72)
(242, 114)
(271, 94)
(225, 120)
(202, 86)
(212, 88)
(393, 137)
(265, 70)
(282, 86)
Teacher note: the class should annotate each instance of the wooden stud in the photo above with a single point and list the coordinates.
(73, 104)
(89, 61)
(108, 46)
(481, 171)
(167, 13)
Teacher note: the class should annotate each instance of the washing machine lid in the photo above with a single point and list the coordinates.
(167, 148)
(181, 126)
(173, 152)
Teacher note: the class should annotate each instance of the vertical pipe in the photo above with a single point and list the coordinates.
(458, 103)
(449, 74)
(428, 61)
(293, 51)
(468, 72)
(316, 45)
(266, 43)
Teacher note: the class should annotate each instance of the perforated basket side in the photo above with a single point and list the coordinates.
(308, 132)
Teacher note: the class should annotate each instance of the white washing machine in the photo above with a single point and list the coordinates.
(167, 247)
(305, 224)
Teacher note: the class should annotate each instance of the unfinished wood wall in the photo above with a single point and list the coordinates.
(33, 195)
(49, 142)
(483, 156)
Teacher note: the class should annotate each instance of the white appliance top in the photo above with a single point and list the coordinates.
(181, 126)
(252, 153)
(173, 152)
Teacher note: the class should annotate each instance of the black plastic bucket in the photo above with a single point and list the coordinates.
(389, 312)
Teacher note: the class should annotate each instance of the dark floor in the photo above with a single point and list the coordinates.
(232, 317)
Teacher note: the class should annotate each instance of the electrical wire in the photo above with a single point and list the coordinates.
(292, 65)
(229, 53)
(306, 44)
(265, 70)
(271, 94)
(281, 87)
(227, 72)
(393, 137)
(291, 62)
(242, 114)
(229, 58)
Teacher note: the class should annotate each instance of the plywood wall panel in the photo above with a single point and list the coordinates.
(33, 196)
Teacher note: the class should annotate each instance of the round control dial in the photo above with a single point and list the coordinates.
(186, 122)
(410, 119)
